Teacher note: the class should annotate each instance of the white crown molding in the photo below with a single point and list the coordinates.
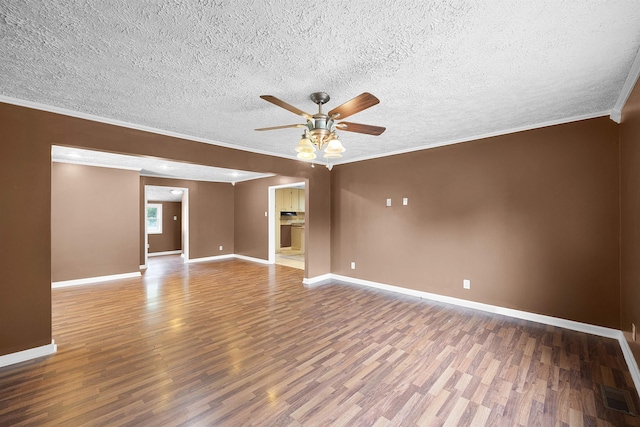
(627, 88)
(120, 123)
(88, 280)
(31, 353)
(483, 136)
(262, 175)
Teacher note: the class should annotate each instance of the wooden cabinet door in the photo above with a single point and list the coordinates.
(301, 200)
(286, 199)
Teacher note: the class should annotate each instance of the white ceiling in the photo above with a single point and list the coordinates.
(444, 71)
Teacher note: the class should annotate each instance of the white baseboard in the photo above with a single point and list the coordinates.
(630, 359)
(164, 253)
(228, 256)
(248, 258)
(318, 279)
(143, 266)
(31, 353)
(209, 258)
(88, 280)
(519, 314)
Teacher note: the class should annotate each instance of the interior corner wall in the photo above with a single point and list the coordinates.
(94, 221)
(630, 218)
(171, 237)
(211, 215)
(530, 218)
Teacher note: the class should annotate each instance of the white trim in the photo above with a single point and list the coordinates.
(31, 353)
(630, 359)
(627, 88)
(209, 258)
(318, 279)
(95, 165)
(251, 259)
(176, 252)
(143, 266)
(525, 315)
(273, 215)
(88, 280)
(482, 136)
(518, 314)
(100, 119)
(85, 116)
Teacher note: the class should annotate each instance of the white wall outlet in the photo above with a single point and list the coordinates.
(353, 265)
(388, 202)
(265, 214)
(633, 331)
(466, 283)
(220, 247)
(175, 217)
(405, 201)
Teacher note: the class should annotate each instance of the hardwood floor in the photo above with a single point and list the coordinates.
(235, 343)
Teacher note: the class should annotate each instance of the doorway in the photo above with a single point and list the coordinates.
(287, 225)
(166, 225)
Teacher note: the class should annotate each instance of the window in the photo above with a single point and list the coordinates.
(154, 218)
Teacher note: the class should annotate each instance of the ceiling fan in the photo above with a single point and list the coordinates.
(320, 129)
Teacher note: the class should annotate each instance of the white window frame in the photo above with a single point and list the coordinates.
(158, 207)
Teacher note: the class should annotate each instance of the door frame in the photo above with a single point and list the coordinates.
(184, 222)
(272, 217)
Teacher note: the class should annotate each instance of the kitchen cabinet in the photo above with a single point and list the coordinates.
(285, 236)
(297, 238)
(290, 199)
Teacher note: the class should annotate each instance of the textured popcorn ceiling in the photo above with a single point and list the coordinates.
(444, 71)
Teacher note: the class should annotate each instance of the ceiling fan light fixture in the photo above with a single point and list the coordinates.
(305, 146)
(334, 147)
(320, 129)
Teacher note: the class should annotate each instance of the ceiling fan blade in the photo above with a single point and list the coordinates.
(282, 104)
(300, 125)
(357, 104)
(360, 128)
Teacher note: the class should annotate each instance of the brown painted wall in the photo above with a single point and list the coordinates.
(94, 221)
(25, 232)
(25, 226)
(171, 237)
(630, 218)
(530, 218)
(211, 215)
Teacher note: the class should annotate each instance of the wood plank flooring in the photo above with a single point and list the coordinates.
(234, 343)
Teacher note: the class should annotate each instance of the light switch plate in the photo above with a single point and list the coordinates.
(405, 201)
(353, 265)
(466, 283)
(388, 202)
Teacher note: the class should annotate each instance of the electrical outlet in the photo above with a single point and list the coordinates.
(353, 265)
(221, 247)
(388, 202)
(466, 283)
(405, 201)
(633, 331)
(265, 214)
